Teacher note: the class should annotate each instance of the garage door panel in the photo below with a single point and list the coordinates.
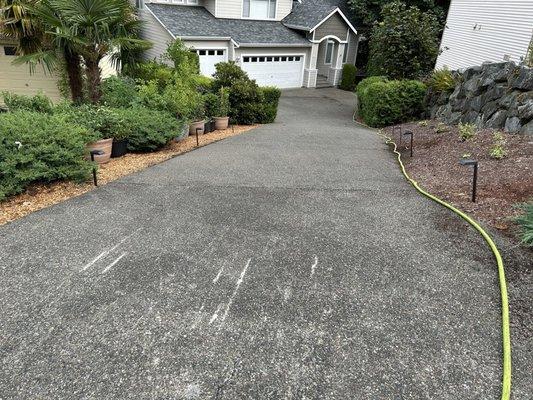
(282, 71)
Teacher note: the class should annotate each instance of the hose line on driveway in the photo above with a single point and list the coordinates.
(506, 334)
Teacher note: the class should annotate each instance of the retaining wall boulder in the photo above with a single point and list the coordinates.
(493, 95)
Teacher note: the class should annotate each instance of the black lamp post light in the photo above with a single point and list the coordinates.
(473, 163)
(197, 141)
(409, 133)
(95, 153)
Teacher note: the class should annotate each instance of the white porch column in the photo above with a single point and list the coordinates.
(335, 70)
(310, 71)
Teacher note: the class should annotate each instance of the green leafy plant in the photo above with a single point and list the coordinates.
(222, 109)
(525, 222)
(467, 131)
(119, 92)
(38, 147)
(423, 123)
(441, 80)
(497, 149)
(102, 121)
(211, 104)
(404, 45)
(38, 103)
(441, 127)
(349, 74)
(186, 63)
(270, 101)
(150, 71)
(227, 74)
(384, 103)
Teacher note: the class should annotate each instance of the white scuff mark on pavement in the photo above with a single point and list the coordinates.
(215, 315)
(287, 293)
(313, 267)
(199, 316)
(218, 275)
(113, 263)
(104, 253)
(239, 281)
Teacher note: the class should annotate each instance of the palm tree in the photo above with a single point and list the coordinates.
(34, 45)
(93, 29)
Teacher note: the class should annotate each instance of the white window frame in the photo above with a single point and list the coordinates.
(328, 42)
(268, 10)
(346, 50)
(302, 56)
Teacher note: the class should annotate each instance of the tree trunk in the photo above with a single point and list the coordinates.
(93, 80)
(74, 73)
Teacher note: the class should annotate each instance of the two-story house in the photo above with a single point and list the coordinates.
(282, 43)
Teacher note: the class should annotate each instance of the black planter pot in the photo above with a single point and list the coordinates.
(210, 126)
(120, 147)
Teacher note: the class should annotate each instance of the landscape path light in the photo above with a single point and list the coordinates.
(95, 153)
(473, 163)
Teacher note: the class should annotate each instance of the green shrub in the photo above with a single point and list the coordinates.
(102, 121)
(245, 102)
(349, 73)
(202, 84)
(211, 104)
(49, 148)
(384, 103)
(38, 103)
(270, 103)
(404, 45)
(186, 63)
(151, 71)
(227, 74)
(497, 150)
(467, 131)
(441, 80)
(119, 92)
(148, 130)
(525, 222)
(222, 109)
(365, 83)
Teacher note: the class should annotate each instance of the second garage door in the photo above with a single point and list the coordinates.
(281, 71)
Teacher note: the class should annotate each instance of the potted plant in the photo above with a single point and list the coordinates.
(222, 110)
(198, 118)
(103, 122)
(120, 141)
(104, 146)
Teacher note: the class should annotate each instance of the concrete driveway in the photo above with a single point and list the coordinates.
(291, 262)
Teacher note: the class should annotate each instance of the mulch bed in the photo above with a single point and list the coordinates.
(501, 183)
(39, 196)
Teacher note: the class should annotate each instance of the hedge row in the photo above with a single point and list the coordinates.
(383, 102)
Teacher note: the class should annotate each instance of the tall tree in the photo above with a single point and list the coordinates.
(404, 44)
(35, 46)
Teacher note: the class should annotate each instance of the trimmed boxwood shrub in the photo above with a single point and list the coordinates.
(270, 103)
(349, 73)
(384, 103)
(37, 147)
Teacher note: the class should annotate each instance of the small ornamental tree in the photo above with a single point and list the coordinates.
(369, 10)
(405, 44)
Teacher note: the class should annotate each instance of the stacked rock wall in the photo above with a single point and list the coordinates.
(496, 95)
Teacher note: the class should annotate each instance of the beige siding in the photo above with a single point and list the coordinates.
(156, 33)
(284, 9)
(17, 79)
(323, 69)
(353, 43)
(210, 6)
(503, 28)
(334, 25)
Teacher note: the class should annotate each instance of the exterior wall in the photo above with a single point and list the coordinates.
(485, 30)
(323, 69)
(210, 5)
(233, 9)
(334, 25)
(17, 78)
(153, 31)
(352, 46)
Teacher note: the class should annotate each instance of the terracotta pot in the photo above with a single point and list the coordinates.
(221, 123)
(195, 125)
(104, 145)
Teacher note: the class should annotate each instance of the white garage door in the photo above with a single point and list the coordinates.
(280, 71)
(209, 58)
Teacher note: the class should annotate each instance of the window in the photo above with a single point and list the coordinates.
(329, 52)
(220, 52)
(259, 9)
(211, 52)
(10, 50)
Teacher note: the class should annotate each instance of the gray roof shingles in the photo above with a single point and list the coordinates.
(309, 13)
(193, 21)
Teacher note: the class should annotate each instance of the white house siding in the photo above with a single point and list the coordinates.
(233, 9)
(503, 30)
(154, 32)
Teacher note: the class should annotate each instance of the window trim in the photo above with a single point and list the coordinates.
(12, 52)
(328, 42)
(268, 11)
(346, 50)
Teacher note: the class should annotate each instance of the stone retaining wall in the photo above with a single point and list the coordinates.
(496, 95)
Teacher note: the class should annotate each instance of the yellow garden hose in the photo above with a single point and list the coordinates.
(506, 379)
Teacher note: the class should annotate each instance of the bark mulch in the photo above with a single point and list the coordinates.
(39, 196)
(501, 183)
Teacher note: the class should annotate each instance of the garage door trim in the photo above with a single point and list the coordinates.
(303, 55)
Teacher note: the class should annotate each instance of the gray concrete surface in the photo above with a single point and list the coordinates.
(290, 262)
